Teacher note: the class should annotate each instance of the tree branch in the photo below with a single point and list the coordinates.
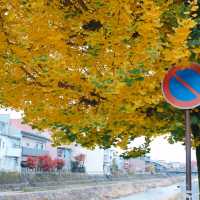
(32, 77)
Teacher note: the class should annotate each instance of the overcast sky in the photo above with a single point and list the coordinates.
(160, 148)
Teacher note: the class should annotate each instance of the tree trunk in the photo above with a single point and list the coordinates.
(198, 163)
(196, 135)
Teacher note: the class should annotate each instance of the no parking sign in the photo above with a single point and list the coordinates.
(181, 86)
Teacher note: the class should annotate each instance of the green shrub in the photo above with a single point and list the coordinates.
(9, 177)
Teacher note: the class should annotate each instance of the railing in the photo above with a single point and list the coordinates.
(33, 152)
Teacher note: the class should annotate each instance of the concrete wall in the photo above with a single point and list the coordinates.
(93, 161)
(52, 150)
(136, 165)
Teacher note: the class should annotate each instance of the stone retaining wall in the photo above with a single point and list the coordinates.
(100, 192)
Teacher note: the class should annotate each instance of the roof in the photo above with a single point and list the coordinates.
(17, 123)
(27, 130)
(35, 136)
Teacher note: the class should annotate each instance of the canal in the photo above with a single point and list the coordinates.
(177, 191)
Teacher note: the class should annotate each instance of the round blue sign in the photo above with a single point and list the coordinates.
(181, 86)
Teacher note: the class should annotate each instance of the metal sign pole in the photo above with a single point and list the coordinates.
(188, 156)
(180, 87)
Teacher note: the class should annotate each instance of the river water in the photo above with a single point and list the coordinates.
(164, 193)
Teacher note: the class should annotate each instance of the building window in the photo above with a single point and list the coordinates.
(40, 146)
(16, 144)
(63, 153)
(27, 144)
(60, 152)
(16, 160)
(2, 127)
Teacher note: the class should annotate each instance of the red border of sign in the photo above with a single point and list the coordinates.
(171, 99)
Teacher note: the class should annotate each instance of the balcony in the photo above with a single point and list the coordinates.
(13, 152)
(33, 152)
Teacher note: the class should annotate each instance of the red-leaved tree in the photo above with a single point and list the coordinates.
(59, 163)
(80, 158)
(31, 162)
(46, 163)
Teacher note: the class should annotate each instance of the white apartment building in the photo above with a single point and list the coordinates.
(10, 145)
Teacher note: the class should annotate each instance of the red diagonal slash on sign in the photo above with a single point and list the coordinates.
(187, 86)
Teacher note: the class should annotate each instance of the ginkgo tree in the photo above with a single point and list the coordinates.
(90, 70)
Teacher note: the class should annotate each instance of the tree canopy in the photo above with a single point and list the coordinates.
(91, 70)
